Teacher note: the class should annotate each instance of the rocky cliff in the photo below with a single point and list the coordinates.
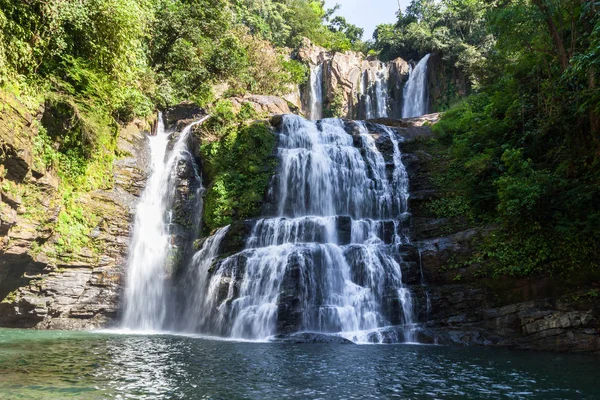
(352, 83)
(446, 84)
(349, 81)
(458, 304)
(41, 285)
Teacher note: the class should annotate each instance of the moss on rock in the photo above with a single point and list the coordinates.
(240, 166)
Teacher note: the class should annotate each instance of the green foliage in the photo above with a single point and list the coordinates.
(299, 73)
(525, 145)
(352, 32)
(239, 164)
(336, 107)
(73, 227)
(456, 30)
(451, 207)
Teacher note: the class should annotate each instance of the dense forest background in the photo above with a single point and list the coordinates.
(521, 153)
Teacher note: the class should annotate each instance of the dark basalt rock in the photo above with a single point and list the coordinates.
(344, 229)
(236, 237)
(290, 308)
(182, 114)
(310, 338)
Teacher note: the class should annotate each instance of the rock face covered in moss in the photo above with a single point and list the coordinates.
(445, 84)
(459, 304)
(40, 284)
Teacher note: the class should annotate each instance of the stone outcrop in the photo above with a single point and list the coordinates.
(445, 84)
(263, 105)
(39, 285)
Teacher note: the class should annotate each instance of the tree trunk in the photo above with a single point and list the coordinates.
(558, 42)
(594, 119)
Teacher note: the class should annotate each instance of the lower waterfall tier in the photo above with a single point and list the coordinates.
(330, 259)
(330, 275)
(329, 254)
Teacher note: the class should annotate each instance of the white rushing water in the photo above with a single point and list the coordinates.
(373, 91)
(145, 305)
(316, 92)
(329, 261)
(415, 91)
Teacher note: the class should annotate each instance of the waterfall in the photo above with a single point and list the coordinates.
(329, 261)
(146, 292)
(415, 91)
(366, 95)
(373, 91)
(381, 91)
(197, 278)
(316, 92)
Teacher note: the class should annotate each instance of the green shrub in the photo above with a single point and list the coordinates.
(239, 165)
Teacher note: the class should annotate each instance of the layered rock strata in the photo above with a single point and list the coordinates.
(40, 286)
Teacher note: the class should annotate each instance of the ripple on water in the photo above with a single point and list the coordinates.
(60, 365)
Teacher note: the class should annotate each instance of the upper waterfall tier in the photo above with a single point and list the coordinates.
(415, 97)
(323, 172)
(348, 85)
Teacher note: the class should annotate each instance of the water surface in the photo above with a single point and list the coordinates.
(58, 365)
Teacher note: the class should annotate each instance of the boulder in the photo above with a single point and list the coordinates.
(310, 338)
(182, 113)
(263, 105)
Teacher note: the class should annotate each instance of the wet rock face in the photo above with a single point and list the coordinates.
(466, 315)
(310, 338)
(37, 287)
(180, 114)
(445, 84)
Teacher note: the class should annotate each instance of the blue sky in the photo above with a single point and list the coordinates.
(368, 14)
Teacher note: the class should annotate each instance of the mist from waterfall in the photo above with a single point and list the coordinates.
(146, 293)
(415, 91)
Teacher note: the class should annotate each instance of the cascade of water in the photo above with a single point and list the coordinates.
(316, 92)
(197, 277)
(415, 91)
(329, 262)
(373, 91)
(146, 294)
(381, 91)
(368, 103)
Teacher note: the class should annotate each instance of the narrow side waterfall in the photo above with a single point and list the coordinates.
(316, 92)
(415, 91)
(330, 260)
(373, 91)
(146, 294)
(381, 91)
